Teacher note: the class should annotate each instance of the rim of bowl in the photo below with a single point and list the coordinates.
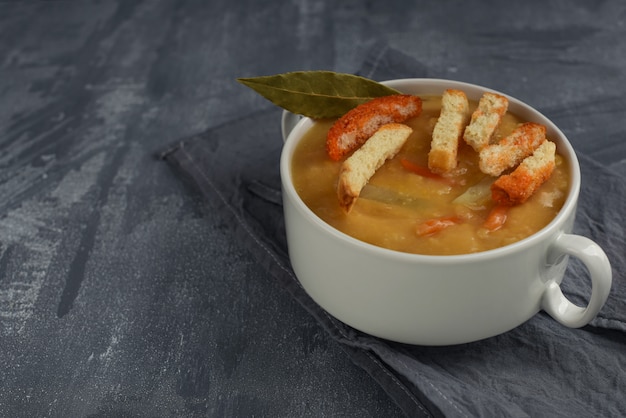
(564, 147)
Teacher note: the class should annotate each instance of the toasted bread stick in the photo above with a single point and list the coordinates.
(511, 150)
(517, 187)
(357, 169)
(448, 130)
(485, 120)
(351, 130)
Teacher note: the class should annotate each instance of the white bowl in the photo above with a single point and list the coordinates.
(440, 300)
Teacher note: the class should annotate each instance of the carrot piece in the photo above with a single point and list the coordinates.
(432, 226)
(422, 171)
(496, 218)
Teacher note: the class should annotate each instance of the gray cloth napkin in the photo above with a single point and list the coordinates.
(540, 368)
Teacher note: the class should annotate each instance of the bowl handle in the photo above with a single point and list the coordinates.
(288, 122)
(597, 263)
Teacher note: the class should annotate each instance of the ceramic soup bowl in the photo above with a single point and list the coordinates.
(441, 300)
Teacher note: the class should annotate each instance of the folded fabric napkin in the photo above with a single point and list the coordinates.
(538, 369)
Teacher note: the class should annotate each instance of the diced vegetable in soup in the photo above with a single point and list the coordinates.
(406, 207)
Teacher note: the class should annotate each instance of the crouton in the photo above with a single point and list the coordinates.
(517, 187)
(351, 130)
(510, 151)
(357, 169)
(485, 120)
(454, 115)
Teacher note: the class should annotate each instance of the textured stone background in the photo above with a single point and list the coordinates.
(119, 294)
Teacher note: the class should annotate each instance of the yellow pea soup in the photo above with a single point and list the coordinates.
(396, 203)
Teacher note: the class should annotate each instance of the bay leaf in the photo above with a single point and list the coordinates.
(317, 94)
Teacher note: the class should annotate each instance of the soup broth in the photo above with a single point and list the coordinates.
(396, 201)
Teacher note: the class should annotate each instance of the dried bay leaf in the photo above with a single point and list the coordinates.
(317, 94)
